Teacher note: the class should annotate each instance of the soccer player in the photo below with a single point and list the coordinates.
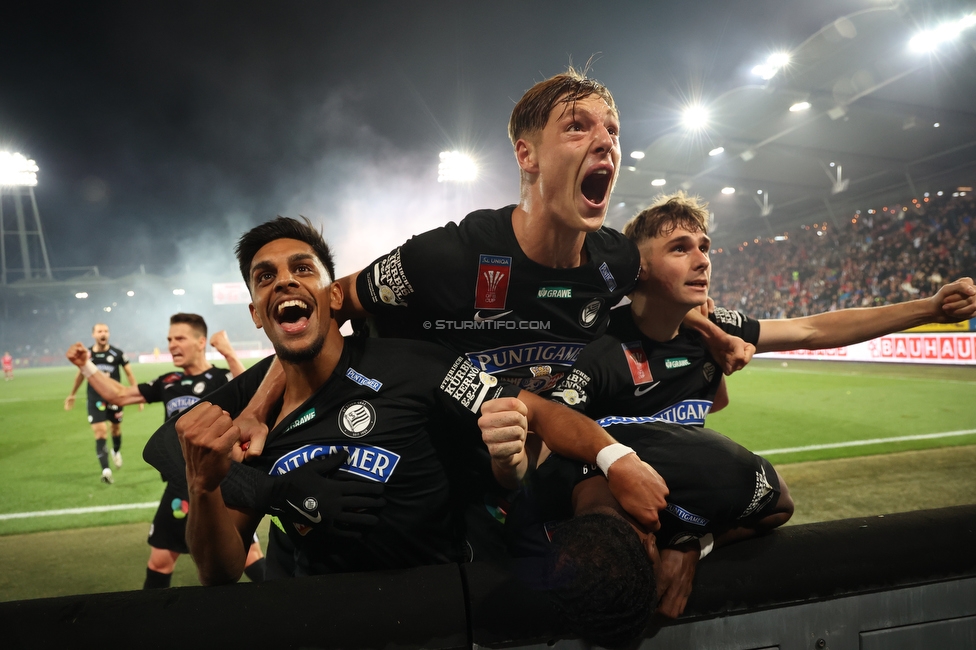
(372, 398)
(108, 359)
(521, 290)
(648, 364)
(649, 367)
(178, 391)
(8, 367)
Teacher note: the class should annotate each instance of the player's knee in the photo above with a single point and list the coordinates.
(162, 561)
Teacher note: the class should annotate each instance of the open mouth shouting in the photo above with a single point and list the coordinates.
(292, 315)
(596, 185)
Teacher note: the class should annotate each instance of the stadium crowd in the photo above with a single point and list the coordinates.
(872, 259)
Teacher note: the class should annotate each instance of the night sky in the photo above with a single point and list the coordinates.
(164, 129)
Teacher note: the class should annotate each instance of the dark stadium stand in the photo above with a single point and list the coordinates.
(897, 581)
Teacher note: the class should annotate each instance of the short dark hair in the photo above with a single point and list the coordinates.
(531, 113)
(601, 579)
(667, 212)
(281, 228)
(195, 321)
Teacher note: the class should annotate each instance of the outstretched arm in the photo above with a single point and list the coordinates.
(954, 302)
(132, 380)
(221, 344)
(111, 390)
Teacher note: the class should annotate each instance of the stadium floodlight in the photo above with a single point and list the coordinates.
(81, 295)
(936, 125)
(800, 106)
(17, 170)
(930, 39)
(179, 292)
(774, 63)
(728, 190)
(130, 293)
(106, 309)
(456, 167)
(716, 151)
(637, 155)
(695, 117)
(658, 182)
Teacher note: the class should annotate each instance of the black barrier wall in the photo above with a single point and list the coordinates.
(898, 581)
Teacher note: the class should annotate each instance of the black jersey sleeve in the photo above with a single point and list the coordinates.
(163, 449)
(737, 324)
(152, 391)
(588, 380)
(412, 274)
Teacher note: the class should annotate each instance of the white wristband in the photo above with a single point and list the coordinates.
(611, 454)
(88, 369)
(706, 542)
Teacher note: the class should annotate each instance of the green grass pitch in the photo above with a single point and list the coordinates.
(47, 454)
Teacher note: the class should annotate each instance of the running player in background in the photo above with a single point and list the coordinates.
(178, 391)
(8, 367)
(108, 359)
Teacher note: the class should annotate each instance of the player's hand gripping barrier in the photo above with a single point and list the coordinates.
(311, 496)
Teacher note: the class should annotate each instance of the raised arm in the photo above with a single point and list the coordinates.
(221, 344)
(954, 302)
(214, 532)
(111, 390)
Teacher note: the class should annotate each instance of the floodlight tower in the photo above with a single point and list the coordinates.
(18, 176)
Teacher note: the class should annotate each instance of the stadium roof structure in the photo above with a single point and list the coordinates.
(885, 123)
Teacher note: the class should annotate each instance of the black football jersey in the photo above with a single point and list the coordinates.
(469, 287)
(626, 374)
(110, 362)
(377, 406)
(179, 391)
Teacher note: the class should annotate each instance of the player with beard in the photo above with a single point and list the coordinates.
(372, 399)
(178, 391)
(108, 359)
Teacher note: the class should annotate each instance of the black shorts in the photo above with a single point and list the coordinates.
(168, 529)
(714, 482)
(101, 411)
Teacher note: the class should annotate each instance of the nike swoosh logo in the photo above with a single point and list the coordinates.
(478, 318)
(640, 390)
(317, 519)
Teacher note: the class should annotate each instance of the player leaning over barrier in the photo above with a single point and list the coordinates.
(108, 359)
(187, 339)
(650, 367)
(372, 398)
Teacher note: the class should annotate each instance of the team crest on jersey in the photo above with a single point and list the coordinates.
(109, 359)
(640, 369)
(494, 272)
(590, 311)
(357, 418)
(199, 387)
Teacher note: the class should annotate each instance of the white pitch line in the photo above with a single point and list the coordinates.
(78, 511)
(873, 441)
